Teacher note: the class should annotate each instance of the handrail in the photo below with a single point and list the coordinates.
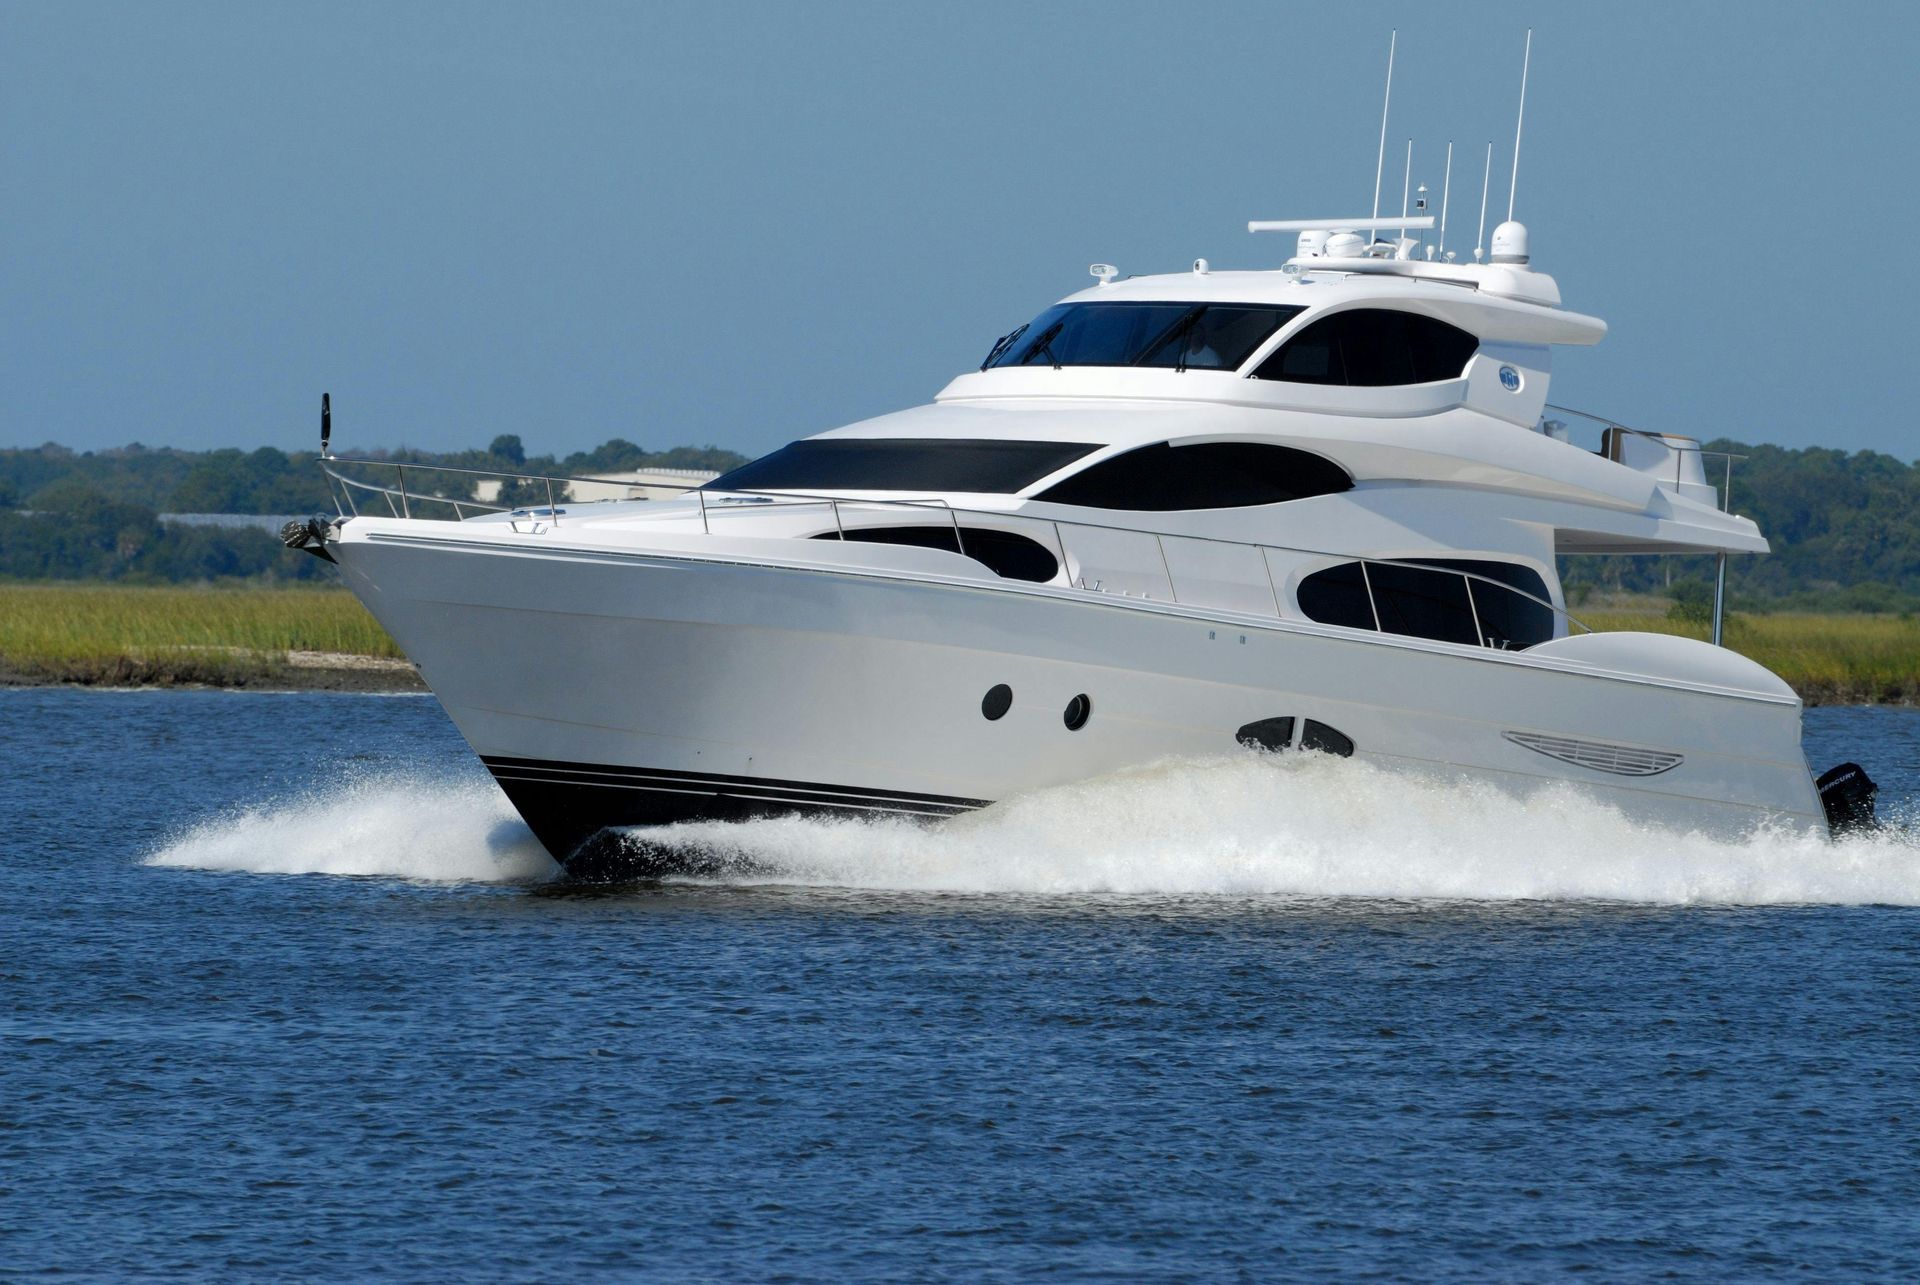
(795, 498)
(1679, 448)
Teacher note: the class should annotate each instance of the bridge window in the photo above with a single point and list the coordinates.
(1371, 348)
(1187, 336)
(1204, 475)
(928, 465)
(1433, 601)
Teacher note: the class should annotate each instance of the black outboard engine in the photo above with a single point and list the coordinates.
(1847, 793)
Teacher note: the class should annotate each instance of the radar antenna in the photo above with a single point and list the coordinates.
(1406, 187)
(1526, 61)
(1480, 237)
(1379, 164)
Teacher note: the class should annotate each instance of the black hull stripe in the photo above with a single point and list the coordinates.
(602, 776)
(743, 792)
(572, 806)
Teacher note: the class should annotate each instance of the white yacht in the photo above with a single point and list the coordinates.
(1308, 509)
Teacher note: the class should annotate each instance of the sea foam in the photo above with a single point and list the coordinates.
(1238, 826)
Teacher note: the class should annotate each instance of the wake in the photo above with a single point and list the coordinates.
(406, 827)
(1243, 826)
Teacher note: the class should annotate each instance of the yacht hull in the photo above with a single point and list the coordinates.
(616, 689)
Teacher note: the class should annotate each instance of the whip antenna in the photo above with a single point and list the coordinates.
(1480, 237)
(1446, 190)
(1526, 60)
(1379, 164)
(1406, 186)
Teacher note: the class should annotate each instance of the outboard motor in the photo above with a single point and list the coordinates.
(1847, 793)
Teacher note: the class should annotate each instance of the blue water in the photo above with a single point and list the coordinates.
(1222, 1019)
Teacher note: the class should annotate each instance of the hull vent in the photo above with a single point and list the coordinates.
(1621, 760)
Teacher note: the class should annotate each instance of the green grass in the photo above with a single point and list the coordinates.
(112, 634)
(1828, 659)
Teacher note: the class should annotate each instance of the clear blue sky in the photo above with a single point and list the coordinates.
(743, 223)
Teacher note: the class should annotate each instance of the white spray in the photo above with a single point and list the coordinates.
(1242, 825)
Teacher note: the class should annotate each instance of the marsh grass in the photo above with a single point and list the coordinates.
(1828, 659)
(114, 634)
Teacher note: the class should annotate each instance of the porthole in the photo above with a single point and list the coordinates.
(1270, 734)
(1318, 736)
(997, 701)
(1079, 710)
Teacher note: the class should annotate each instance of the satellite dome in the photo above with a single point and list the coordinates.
(1510, 243)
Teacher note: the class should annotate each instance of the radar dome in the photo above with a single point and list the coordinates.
(1345, 245)
(1510, 243)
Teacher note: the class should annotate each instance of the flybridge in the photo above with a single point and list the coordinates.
(1335, 245)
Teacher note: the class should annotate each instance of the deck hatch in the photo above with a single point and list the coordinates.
(1601, 756)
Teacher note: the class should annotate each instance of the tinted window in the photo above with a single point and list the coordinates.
(1328, 740)
(1219, 337)
(1371, 348)
(1507, 619)
(1010, 556)
(1430, 603)
(1337, 596)
(1207, 475)
(1423, 604)
(903, 464)
(1267, 734)
(1195, 336)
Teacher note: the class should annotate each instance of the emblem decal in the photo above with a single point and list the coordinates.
(1510, 379)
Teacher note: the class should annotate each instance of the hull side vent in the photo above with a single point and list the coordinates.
(1601, 756)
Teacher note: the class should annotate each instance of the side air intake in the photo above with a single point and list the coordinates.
(1601, 756)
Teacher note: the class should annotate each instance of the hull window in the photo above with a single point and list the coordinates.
(1270, 734)
(1079, 710)
(1318, 736)
(1430, 602)
(903, 464)
(1371, 348)
(1009, 556)
(995, 704)
(1206, 475)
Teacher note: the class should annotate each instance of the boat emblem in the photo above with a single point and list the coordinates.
(1510, 379)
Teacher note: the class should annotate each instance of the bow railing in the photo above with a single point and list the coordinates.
(1239, 593)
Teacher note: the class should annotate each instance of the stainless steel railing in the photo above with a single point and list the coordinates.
(400, 500)
(1680, 447)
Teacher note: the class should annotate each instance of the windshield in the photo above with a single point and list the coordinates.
(923, 464)
(1182, 336)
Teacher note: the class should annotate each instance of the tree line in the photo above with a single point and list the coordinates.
(1845, 527)
(97, 515)
(267, 480)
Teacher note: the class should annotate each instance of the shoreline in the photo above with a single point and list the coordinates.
(293, 672)
(309, 671)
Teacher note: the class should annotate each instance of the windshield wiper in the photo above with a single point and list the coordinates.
(1003, 343)
(1044, 344)
(1176, 332)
